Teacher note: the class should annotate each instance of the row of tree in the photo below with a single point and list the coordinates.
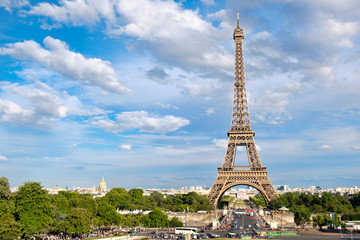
(324, 209)
(31, 210)
(326, 203)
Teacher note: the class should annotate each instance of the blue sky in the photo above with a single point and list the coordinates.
(140, 91)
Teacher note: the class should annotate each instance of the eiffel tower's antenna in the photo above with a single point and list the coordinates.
(238, 25)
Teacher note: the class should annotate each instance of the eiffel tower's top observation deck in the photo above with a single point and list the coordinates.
(238, 32)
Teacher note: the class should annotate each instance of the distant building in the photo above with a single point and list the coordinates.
(241, 195)
(283, 188)
(102, 186)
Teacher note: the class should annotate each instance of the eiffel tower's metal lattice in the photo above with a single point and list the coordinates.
(240, 134)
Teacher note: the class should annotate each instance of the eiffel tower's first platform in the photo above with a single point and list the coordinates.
(240, 134)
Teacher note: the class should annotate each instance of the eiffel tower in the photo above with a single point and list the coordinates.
(240, 134)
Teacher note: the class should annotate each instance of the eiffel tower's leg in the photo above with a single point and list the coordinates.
(215, 191)
(229, 155)
(269, 191)
(253, 156)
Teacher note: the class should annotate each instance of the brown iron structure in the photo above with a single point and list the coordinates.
(240, 134)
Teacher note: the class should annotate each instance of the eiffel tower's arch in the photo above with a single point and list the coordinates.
(244, 183)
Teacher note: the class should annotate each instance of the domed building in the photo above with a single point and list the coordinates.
(102, 186)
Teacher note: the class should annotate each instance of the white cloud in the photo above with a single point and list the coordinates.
(341, 29)
(208, 2)
(221, 143)
(14, 114)
(126, 147)
(3, 158)
(262, 35)
(40, 105)
(346, 43)
(166, 26)
(258, 147)
(326, 147)
(73, 65)
(210, 111)
(162, 27)
(140, 120)
(167, 106)
(77, 12)
(74, 145)
(270, 107)
(195, 89)
(335, 7)
(10, 4)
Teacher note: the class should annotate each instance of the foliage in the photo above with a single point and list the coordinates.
(60, 203)
(322, 220)
(4, 188)
(225, 201)
(258, 200)
(301, 216)
(32, 208)
(9, 228)
(136, 194)
(175, 222)
(85, 201)
(119, 198)
(78, 221)
(107, 214)
(355, 201)
(156, 218)
(351, 217)
(326, 203)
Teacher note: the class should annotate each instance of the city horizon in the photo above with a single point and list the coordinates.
(179, 187)
(141, 92)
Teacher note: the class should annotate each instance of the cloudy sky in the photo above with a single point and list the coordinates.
(140, 91)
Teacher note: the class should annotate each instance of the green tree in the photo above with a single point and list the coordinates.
(175, 222)
(291, 199)
(85, 201)
(275, 204)
(191, 198)
(301, 216)
(321, 220)
(136, 194)
(60, 203)
(119, 198)
(355, 201)
(108, 214)
(178, 201)
(9, 228)
(258, 200)
(304, 199)
(5, 191)
(78, 221)
(316, 208)
(169, 203)
(156, 218)
(158, 198)
(33, 209)
(7, 206)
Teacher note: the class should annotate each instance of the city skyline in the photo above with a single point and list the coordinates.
(141, 91)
